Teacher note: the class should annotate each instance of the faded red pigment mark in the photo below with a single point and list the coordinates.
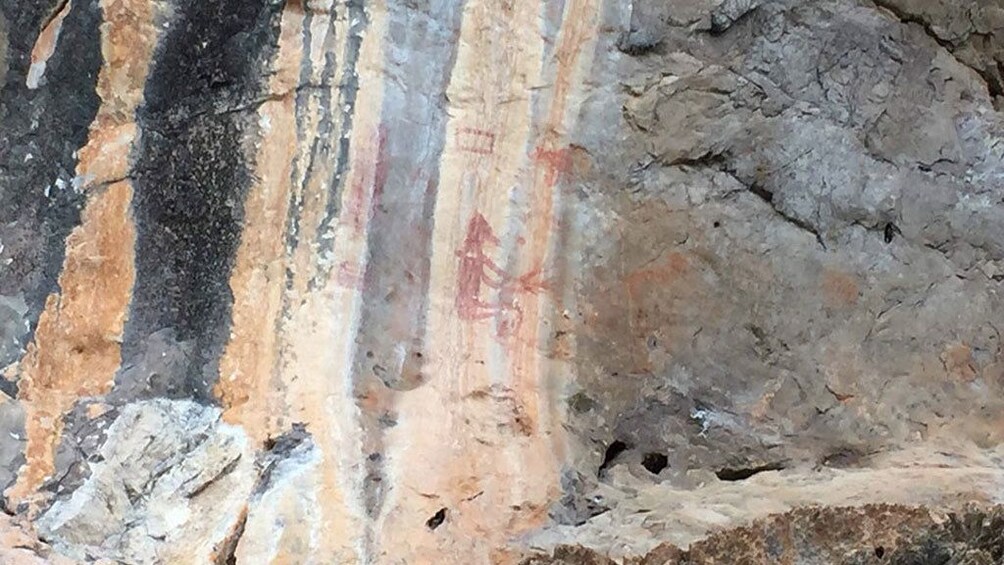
(474, 140)
(358, 210)
(349, 276)
(478, 270)
(675, 267)
(557, 163)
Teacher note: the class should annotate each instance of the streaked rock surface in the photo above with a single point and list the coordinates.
(501, 281)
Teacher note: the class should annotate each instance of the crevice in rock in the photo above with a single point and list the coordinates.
(838, 396)
(436, 520)
(226, 552)
(56, 10)
(716, 161)
(710, 159)
(890, 231)
(229, 468)
(278, 449)
(248, 106)
(994, 88)
(612, 452)
(768, 197)
(743, 473)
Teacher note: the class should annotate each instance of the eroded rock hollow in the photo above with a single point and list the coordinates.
(501, 281)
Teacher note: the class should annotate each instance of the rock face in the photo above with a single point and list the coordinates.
(501, 281)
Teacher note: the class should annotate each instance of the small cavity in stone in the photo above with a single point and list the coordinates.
(655, 462)
(437, 519)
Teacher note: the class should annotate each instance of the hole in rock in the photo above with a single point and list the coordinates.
(880, 552)
(437, 519)
(613, 450)
(654, 462)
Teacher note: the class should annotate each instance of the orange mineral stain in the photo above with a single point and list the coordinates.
(839, 289)
(246, 388)
(45, 45)
(77, 345)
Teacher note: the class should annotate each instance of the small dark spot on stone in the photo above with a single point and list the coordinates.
(437, 519)
(717, 224)
(375, 457)
(418, 354)
(369, 354)
(655, 462)
(880, 552)
(746, 472)
(581, 403)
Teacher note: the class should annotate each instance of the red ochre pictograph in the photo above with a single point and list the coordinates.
(349, 276)
(474, 140)
(478, 270)
(557, 163)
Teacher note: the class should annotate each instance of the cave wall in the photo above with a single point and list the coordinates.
(480, 281)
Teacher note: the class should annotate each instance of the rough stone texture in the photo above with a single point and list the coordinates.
(501, 281)
(840, 535)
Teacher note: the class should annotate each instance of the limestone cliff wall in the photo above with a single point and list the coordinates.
(483, 281)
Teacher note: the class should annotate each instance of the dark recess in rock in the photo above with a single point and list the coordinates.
(655, 462)
(437, 519)
(226, 553)
(610, 455)
(743, 473)
(889, 232)
(278, 449)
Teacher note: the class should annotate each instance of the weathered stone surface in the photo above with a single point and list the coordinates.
(163, 487)
(497, 281)
(839, 535)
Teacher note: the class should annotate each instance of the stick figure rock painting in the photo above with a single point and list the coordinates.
(485, 291)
